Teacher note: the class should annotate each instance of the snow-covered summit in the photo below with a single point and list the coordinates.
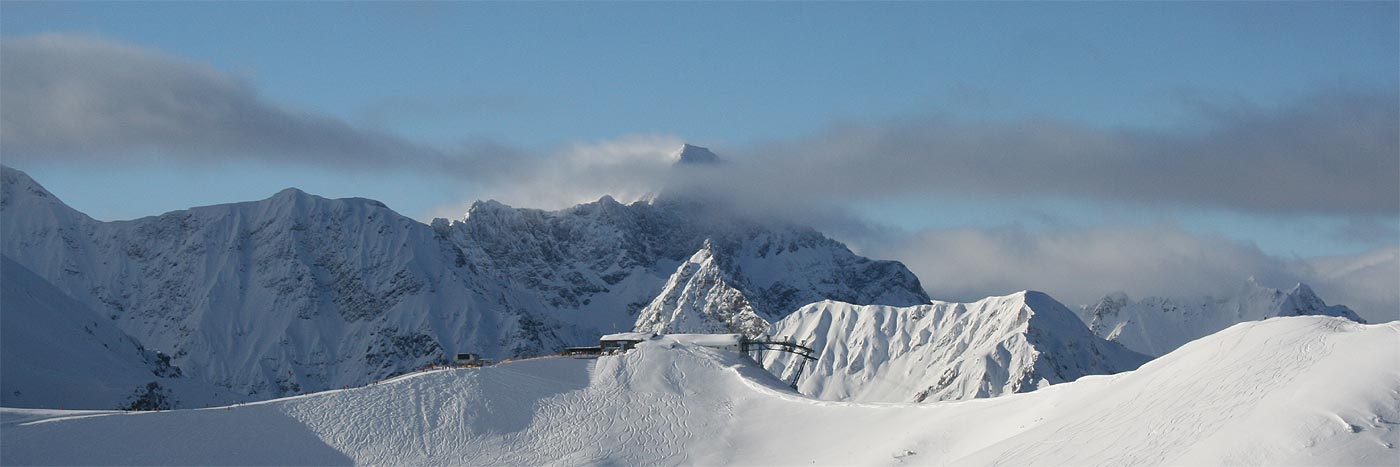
(699, 299)
(943, 350)
(20, 193)
(1156, 325)
(690, 154)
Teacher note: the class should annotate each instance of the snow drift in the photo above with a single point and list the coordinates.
(1299, 391)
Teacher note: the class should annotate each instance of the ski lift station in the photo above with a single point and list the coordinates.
(625, 341)
(470, 360)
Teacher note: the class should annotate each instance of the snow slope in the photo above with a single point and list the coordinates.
(298, 293)
(699, 299)
(943, 350)
(290, 294)
(1155, 326)
(55, 350)
(1291, 391)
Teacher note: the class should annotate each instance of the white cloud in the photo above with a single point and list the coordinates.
(78, 99)
(628, 168)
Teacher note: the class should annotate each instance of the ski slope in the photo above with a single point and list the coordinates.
(1286, 391)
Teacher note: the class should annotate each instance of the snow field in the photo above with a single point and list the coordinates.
(1301, 391)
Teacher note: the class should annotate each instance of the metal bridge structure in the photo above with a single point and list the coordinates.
(749, 346)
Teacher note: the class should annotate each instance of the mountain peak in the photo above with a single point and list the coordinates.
(297, 196)
(1158, 325)
(698, 298)
(12, 179)
(1036, 296)
(490, 204)
(1302, 290)
(291, 193)
(695, 155)
(943, 350)
(19, 193)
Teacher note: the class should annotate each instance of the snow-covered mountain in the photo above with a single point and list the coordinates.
(1155, 325)
(699, 299)
(55, 350)
(280, 296)
(1290, 391)
(299, 293)
(612, 259)
(942, 351)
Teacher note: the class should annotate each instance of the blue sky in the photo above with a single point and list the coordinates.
(545, 78)
(541, 74)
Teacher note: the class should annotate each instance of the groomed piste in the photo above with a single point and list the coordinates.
(1285, 391)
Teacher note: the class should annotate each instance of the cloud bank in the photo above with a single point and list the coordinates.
(1081, 265)
(1334, 152)
(78, 100)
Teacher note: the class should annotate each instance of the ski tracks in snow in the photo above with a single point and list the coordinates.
(1164, 428)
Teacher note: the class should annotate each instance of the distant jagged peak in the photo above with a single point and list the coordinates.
(488, 204)
(1306, 302)
(706, 251)
(1158, 325)
(690, 154)
(1115, 299)
(1302, 290)
(480, 206)
(606, 202)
